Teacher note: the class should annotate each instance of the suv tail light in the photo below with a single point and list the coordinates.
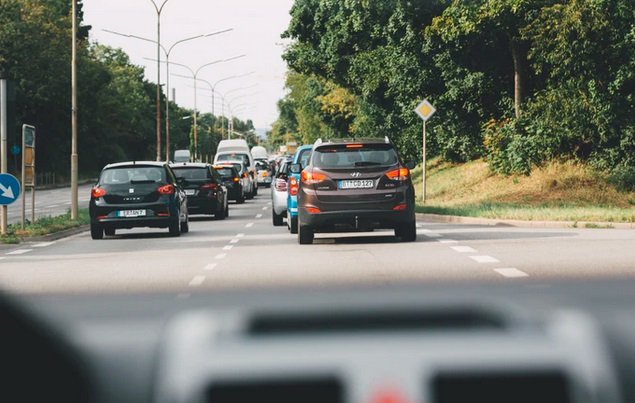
(400, 174)
(166, 190)
(97, 192)
(281, 185)
(311, 178)
(293, 186)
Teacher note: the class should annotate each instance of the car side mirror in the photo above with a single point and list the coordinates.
(295, 168)
(411, 164)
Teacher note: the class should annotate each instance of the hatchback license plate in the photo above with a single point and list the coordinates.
(357, 184)
(190, 192)
(131, 213)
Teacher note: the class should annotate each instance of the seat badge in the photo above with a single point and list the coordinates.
(131, 190)
(356, 174)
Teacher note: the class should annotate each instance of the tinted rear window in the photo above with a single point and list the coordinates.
(132, 174)
(234, 157)
(353, 155)
(191, 173)
(225, 172)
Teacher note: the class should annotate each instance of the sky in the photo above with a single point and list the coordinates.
(256, 24)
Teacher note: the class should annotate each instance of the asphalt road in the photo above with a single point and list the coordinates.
(247, 251)
(49, 202)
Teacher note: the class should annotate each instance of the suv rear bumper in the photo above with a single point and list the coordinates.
(356, 219)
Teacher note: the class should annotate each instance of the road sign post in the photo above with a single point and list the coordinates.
(425, 110)
(28, 169)
(3, 148)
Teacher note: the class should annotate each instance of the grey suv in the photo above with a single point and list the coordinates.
(355, 185)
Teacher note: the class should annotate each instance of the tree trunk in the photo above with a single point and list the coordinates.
(519, 54)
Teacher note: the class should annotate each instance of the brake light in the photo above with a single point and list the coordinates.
(236, 179)
(97, 192)
(400, 207)
(281, 185)
(293, 186)
(313, 210)
(166, 190)
(311, 178)
(209, 186)
(354, 145)
(400, 174)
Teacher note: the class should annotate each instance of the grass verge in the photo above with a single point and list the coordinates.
(559, 191)
(44, 226)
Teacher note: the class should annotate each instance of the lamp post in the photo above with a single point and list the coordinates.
(74, 157)
(167, 53)
(213, 86)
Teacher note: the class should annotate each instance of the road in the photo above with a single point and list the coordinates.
(49, 202)
(247, 251)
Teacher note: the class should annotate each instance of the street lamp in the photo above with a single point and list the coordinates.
(167, 53)
(158, 9)
(213, 86)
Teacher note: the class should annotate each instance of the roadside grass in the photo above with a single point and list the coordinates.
(559, 191)
(44, 226)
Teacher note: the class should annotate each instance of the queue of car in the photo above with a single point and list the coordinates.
(164, 194)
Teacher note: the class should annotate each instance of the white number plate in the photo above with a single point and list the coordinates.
(190, 192)
(131, 213)
(357, 184)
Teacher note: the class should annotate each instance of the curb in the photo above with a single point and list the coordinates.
(58, 235)
(440, 218)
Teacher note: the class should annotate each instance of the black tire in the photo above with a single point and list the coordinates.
(255, 191)
(185, 226)
(96, 231)
(293, 224)
(220, 215)
(175, 228)
(305, 235)
(278, 219)
(241, 199)
(109, 231)
(407, 232)
(226, 209)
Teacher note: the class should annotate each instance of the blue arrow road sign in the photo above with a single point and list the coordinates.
(9, 189)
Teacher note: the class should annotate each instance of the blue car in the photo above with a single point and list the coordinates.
(302, 157)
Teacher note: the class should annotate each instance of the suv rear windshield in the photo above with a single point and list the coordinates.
(132, 174)
(192, 173)
(234, 157)
(354, 155)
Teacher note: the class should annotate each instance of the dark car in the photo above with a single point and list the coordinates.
(357, 185)
(204, 188)
(137, 194)
(231, 178)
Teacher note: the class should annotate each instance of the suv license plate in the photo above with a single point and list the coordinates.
(357, 184)
(131, 213)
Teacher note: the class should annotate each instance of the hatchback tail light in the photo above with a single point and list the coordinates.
(236, 179)
(166, 190)
(281, 185)
(97, 192)
(293, 186)
(311, 178)
(400, 174)
(209, 186)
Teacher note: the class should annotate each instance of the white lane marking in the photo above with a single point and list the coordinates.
(484, 259)
(258, 215)
(423, 230)
(240, 235)
(220, 256)
(44, 244)
(210, 266)
(265, 207)
(419, 225)
(249, 225)
(234, 241)
(511, 272)
(463, 249)
(2, 258)
(447, 241)
(432, 235)
(228, 247)
(183, 295)
(19, 251)
(197, 281)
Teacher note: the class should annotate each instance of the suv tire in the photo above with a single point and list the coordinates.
(96, 231)
(305, 235)
(407, 232)
(278, 219)
(292, 222)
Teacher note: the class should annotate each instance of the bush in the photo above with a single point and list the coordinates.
(623, 178)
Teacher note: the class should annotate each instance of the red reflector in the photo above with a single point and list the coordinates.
(400, 207)
(313, 210)
(101, 217)
(163, 214)
(354, 145)
(166, 190)
(400, 174)
(97, 192)
(389, 396)
(293, 186)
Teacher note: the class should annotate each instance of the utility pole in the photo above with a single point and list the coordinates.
(3, 146)
(74, 157)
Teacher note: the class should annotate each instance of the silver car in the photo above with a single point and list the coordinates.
(279, 193)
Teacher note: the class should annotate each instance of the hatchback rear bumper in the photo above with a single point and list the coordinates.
(201, 205)
(157, 215)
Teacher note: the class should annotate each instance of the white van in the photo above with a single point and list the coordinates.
(259, 153)
(182, 156)
(232, 150)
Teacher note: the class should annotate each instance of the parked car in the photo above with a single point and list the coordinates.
(232, 150)
(358, 185)
(204, 188)
(279, 193)
(301, 157)
(264, 174)
(231, 179)
(137, 194)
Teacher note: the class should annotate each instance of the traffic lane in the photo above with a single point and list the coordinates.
(137, 260)
(48, 202)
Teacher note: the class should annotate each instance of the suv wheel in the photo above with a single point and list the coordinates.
(305, 235)
(96, 231)
(407, 232)
(277, 218)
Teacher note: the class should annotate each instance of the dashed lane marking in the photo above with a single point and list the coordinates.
(484, 259)
(220, 256)
(2, 258)
(210, 266)
(240, 235)
(258, 215)
(197, 281)
(228, 247)
(432, 235)
(19, 251)
(511, 272)
(265, 207)
(447, 241)
(463, 249)
(249, 225)
(234, 241)
(43, 244)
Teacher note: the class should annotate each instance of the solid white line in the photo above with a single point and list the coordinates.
(44, 244)
(19, 251)
(463, 249)
(234, 241)
(228, 247)
(220, 256)
(258, 215)
(196, 281)
(249, 225)
(511, 272)
(432, 235)
(210, 266)
(240, 235)
(484, 259)
(447, 241)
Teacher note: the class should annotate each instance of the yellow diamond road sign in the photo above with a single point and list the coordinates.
(425, 110)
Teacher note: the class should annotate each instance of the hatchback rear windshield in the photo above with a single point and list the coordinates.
(234, 157)
(191, 173)
(132, 174)
(354, 155)
(225, 172)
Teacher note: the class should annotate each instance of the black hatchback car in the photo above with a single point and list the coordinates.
(356, 185)
(204, 188)
(137, 194)
(231, 179)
